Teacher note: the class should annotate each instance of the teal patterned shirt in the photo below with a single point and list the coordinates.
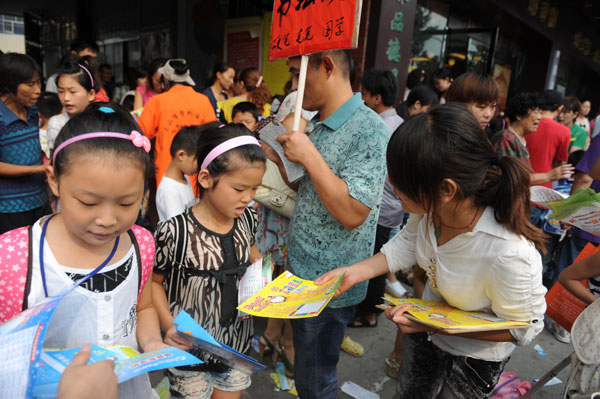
(352, 142)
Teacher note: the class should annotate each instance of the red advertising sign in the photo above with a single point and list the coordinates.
(310, 26)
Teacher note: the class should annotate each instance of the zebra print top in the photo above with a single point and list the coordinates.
(200, 294)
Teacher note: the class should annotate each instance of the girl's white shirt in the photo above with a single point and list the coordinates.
(488, 269)
(85, 317)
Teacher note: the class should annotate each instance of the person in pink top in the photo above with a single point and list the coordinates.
(154, 84)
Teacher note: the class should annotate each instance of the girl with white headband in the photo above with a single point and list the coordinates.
(202, 254)
(76, 90)
(98, 170)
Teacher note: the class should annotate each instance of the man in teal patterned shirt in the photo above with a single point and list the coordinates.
(337, 207)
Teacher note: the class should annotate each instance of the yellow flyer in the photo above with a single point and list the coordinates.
(291, 297)
(453, 321)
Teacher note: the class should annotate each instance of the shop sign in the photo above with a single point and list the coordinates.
(310, 26)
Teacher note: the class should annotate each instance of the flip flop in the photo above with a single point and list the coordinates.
(364, 323)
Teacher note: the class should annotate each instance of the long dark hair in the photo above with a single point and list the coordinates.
(446, 143)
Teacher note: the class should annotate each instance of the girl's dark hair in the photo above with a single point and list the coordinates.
(15, 69)
(154, 65)
(258, 95)
(473, 87)
(219, 67)
(96, 119)
(415, 78)
(446, 143)
(211, 135)
(74, 67)
(424, 94)
(49, 104)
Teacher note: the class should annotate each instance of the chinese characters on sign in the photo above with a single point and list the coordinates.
(310, 26)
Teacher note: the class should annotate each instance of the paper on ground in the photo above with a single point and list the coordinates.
(291, 384)
(358, 392)
(268, 135)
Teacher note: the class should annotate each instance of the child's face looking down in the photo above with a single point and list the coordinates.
(230, 195)
(100, 196)
(247, 119)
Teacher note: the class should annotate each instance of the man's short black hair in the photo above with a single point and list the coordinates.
(521, 105)
(245, 106)
(186, 139)
(78, 45)
(441, 73)
(341, 58)
(49, 105)
(103, 67)
(550, 100)
(571, 104)
(382, 82)
(16, 68)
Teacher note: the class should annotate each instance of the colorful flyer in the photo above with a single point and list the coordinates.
(191, 330)
(581, 209)
(257, 277)
(453, 321)
(291, 297)
(543, 196)
(54, 361)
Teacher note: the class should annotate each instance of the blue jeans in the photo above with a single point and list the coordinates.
(317, 343)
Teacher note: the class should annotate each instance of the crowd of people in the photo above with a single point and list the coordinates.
(433, 192)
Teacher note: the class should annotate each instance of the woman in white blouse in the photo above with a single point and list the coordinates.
(469, 230)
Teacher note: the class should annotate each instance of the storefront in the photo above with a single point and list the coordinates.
(527, 46)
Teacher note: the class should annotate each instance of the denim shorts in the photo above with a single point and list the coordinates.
(428, 372)
(199, 384)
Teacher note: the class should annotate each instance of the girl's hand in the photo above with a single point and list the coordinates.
(408, 326)
(351, 278)
(154, 345)
(173, 338)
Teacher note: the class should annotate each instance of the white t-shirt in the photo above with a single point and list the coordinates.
(489, 269)
(54, 125)
(173, 198)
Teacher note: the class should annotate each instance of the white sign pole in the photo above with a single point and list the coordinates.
(300, 96)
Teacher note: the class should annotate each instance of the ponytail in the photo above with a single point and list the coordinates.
(506, 189)
(258, 93)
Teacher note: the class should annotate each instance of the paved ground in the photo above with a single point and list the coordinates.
(369, 370)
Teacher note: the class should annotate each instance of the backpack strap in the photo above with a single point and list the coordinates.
(174, 284)
(27, 287)
(143, 241)
(15, 271)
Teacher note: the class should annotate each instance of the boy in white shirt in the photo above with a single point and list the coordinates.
(175, 193)
(48, 106)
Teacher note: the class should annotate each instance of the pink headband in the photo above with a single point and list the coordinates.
(259, 81)
(135, 137)
(226, 146)
(89, 74)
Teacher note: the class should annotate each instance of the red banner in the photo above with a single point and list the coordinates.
(310, 26)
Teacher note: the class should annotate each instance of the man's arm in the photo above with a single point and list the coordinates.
(332, 190)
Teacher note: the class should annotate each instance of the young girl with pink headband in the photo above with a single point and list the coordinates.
(98, 170)
(77, 89)
(202, 254)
